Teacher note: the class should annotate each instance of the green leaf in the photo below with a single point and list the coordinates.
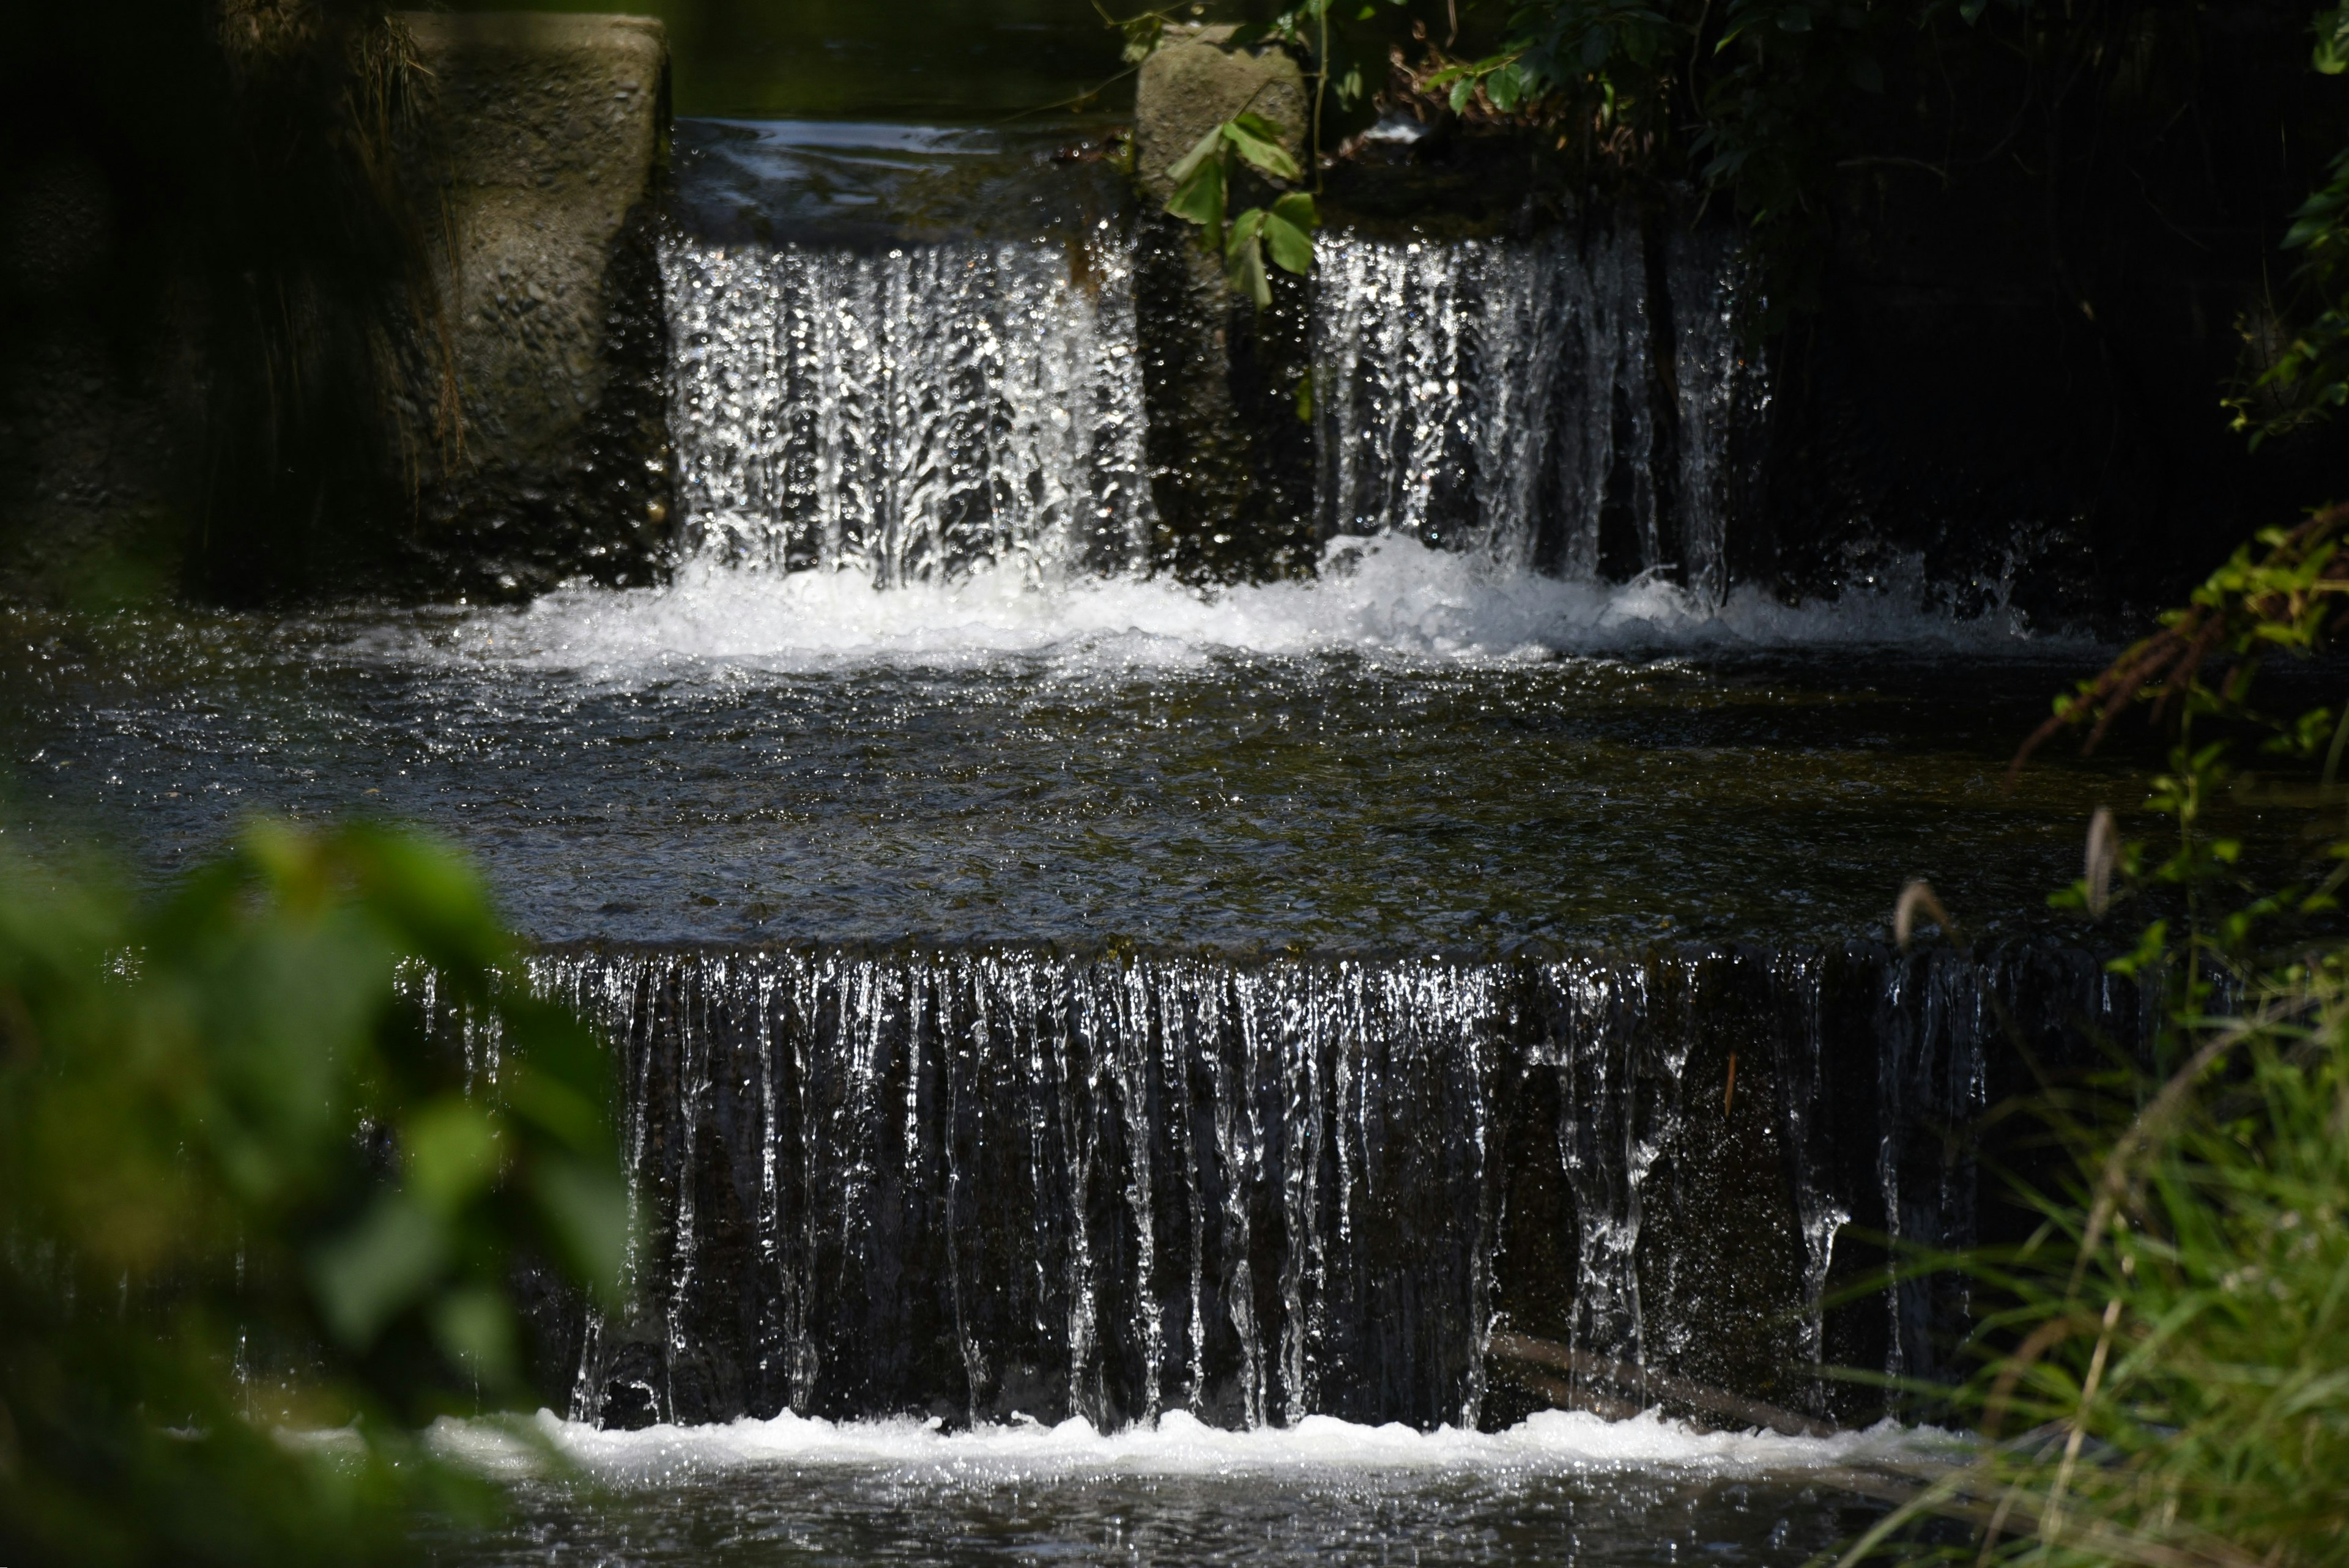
(373, 1272)
(1291, 246)
(1298, 207)
(1504, 86)
(1461, 91)
(2332, 54)
(585, 1206)
(1200, 198)
(1244, 258)
(563, 1111)
(1142, 36)
(1258, 141)
(1305, 397)
(1794, 19)
(449, 1154)
(1208, 146)
(475, 1328)
(1866, 75)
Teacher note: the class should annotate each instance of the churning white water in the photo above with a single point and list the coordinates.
(1390, 599)
(1177, 1444)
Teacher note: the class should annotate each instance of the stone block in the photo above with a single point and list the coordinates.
(1197, 80)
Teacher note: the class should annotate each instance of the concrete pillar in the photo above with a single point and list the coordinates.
(548, 146)
(1197, 80)
(1232, 470)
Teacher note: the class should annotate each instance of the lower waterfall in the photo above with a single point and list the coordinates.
(974, 1185)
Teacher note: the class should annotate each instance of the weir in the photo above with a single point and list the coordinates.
(986, 1182)
(984, 1185)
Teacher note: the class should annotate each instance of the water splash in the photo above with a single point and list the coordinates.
(1391, 599)
(1548, 1443)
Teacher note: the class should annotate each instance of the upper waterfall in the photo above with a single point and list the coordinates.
(921, 404)
(1543, 400)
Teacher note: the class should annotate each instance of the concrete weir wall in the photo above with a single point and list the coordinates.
(548, 145)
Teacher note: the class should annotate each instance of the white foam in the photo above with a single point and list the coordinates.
(1551, 1442)
(1388, 599)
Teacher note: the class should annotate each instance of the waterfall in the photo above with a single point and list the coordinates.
(916, 412)
(1519, 397)
(980, 1185)
(912, 413)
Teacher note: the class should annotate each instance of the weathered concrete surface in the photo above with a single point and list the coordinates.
(1231, 463)
(548, 146)
(1197, 80)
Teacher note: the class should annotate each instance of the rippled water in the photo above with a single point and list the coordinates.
(1406, 753)
(1558, 1489)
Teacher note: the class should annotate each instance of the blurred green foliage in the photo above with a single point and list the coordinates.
(2308, 381)
(2164, 1363)
(246, 1194)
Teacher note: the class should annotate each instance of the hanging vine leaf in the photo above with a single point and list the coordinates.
(1208, 146)
(1243, 257)
(1257, 140)
(1288, 232)
(1199, 183)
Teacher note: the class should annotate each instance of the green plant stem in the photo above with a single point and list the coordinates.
(1320, 88)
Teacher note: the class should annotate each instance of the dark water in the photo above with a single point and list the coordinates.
(1567, 1493)
(935, 58)
(780, 1517)
(1331, 799)
(861, 182)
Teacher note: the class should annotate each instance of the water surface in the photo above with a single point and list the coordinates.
(1404, 755)
(1560, 1489)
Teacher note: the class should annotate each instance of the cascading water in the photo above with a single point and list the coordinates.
(918, 412)
(1503, 395)
(913, 413)
(978, 1184)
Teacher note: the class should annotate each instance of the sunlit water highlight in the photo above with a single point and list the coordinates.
(1550, 1443)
